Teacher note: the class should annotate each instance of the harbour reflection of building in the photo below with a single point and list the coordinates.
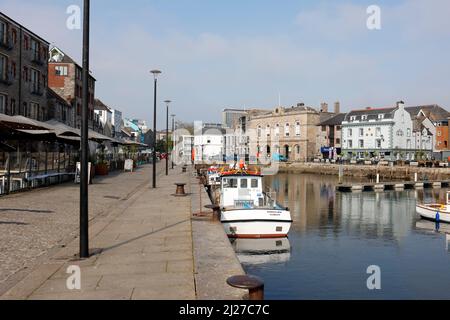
(310, 198)
(381, 215)
(262, 251)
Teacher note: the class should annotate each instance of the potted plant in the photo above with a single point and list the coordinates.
(101, 166)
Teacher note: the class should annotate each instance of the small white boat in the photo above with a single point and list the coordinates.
(436, 211)
(247, 211)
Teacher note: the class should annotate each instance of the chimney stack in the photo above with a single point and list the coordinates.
(324, 107)
(337, 107)
(301, 104)
(400, 104)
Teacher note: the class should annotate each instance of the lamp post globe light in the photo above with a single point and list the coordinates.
(167, 102)
(173, 138)
(155, 73)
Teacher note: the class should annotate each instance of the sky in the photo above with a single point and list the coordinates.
(248, 54)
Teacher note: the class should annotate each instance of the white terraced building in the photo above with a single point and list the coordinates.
(386, 133)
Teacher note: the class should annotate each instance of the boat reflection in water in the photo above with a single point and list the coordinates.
(262, 251)
(436, 227)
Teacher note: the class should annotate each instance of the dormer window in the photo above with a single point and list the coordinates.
(381, 116)
(352, 118)
(364, 117)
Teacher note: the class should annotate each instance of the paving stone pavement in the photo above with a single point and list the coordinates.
(142, 237)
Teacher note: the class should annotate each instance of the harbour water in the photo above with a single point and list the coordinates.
(335, 237)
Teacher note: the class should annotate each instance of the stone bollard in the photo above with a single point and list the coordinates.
(253, 284)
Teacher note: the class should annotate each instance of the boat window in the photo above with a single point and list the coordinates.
(254, 183)
(230, 183)
(244, 183)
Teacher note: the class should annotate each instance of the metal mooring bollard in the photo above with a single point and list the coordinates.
(216, 211)
(255, 285)
(180, 189)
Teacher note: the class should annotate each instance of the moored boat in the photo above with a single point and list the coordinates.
(247, 211)
(435, 211)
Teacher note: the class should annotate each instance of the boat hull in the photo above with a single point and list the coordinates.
(429, 212)
(256, 223)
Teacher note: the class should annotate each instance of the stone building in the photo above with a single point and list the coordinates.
(65, 78)
(291, 132)
(23, 71)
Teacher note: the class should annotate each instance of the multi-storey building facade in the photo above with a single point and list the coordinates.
(59, 109)
(291, 132)
(230, 117)
(104, 115)
(388, 133)
(65, 78)
(117, 122)
(23, 71)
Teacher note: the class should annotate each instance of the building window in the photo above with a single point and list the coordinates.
(297, 129)
(352, 118)
(268, 130)
(286, 130)
(378, 131)
(3, 67)
(35, 80)
(277, 130)
(338, 141)
(350, 143)
(380, 116)
(408, 132)
(259, 131)
(61, 71)
(439, 133)
(350, 132)
(324, 128)
(361, 132)
(3, 103)
(13, 107)
(378, 143)
(35, 49)
(2, 30)
(361, 143)
(33, 111)
(364, 117)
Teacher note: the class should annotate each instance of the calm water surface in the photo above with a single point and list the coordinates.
(336, 236)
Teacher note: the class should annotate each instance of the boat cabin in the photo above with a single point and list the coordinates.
(242, 191)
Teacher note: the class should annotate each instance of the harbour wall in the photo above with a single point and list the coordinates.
(369, 172)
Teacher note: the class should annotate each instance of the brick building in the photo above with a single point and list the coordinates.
(23, 71)
(65, 78)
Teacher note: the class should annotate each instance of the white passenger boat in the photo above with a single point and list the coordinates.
(247, 211)
(436, 211)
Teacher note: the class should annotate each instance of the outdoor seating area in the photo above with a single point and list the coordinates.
(35, 154)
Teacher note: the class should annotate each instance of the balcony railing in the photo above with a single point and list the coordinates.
(6, 78)
(5, 42)
(36, 89)
(37, 58)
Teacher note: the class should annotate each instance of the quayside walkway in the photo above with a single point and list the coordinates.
(143, 248)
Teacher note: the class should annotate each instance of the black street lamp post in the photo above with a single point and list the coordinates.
(167, 136)
(84, 146)
(155, 75)
(173, 138)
